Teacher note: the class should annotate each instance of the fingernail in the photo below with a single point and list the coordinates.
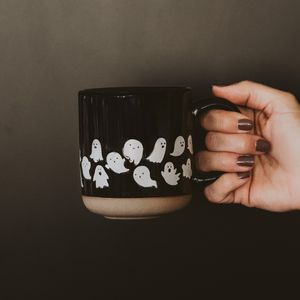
(243, 175)
(246, 161)
(245, 124)
(262, 145)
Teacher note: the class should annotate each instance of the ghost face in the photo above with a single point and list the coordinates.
(100, 177)
(159, 151)
(141, 175)
(115, 162)
(179, 146)
(133, 151)
(86, 165)
(169, 174)
(96, 151)
(190, 144)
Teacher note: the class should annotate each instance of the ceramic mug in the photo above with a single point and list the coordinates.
(136, 149)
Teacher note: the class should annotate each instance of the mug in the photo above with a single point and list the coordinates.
(136, 149)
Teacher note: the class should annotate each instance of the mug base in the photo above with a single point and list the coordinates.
(135, 208)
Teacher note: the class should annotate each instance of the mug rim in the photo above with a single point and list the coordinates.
(134, 90)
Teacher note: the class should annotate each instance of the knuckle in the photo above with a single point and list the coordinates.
(200, 161)
(225, 184)
(291, 97)
(221, 120)
(222, 164)
(208, 193)
(205, 119)
(211, 140)
(241, 144)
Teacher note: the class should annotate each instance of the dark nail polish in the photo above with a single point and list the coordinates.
(262, 146)
(243, 175)
(245, 124)
(246, 161)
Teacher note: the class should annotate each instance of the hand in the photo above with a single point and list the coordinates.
(263, 162)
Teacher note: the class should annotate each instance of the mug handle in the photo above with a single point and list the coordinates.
(200, 106)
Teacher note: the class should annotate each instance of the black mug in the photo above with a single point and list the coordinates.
(136, 149)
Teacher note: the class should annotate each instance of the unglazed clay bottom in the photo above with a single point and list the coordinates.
(135, 208)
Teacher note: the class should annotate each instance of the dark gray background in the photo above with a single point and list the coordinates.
(51, 247)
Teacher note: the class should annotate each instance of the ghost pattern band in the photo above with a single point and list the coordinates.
(133, 152)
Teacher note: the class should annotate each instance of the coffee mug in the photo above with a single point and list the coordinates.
(136, 149)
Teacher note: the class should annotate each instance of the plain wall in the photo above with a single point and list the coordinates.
(52, 49)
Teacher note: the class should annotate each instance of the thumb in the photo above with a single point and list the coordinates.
(257, 96)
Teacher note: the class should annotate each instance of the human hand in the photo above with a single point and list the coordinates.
(262, 163)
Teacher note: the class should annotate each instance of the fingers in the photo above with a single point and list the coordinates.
(236, 143)
(257, 96)
(223, 190)
(225, 121)
(207, 161)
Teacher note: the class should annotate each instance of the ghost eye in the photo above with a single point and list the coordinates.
(142, 173)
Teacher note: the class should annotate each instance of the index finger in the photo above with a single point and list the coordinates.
(225, 121)
(257, 96)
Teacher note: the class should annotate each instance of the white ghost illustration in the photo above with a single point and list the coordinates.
(141, 175)
(187, 169)
(96, 151)
(100, 177)
(133, 151)
(115, 162)
(190, 144)
(86, 165)
(159, 151)
(179, 146)
(169, 174)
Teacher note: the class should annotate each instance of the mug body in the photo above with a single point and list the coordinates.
(136, 150)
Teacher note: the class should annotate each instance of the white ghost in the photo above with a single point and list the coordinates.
(190, 144)
(179, 146)
(187, 169)
(115, 162)
(141, 175)
(169, 174)
(86, 165)
(133, 151)
(96, 151)
(159, 151)
(100, 177)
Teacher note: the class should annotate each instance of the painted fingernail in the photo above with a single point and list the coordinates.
(245, 161)
(262, 145)
(243, 175)
(245, 124)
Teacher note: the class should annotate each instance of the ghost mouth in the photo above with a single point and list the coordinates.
(169, 170)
